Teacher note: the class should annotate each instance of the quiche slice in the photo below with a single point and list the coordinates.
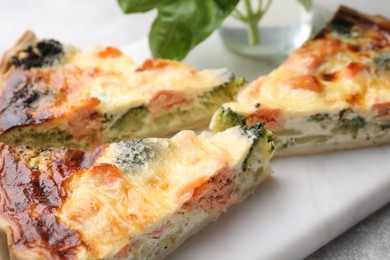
(333, 93)
(136, 199)
(52, 94)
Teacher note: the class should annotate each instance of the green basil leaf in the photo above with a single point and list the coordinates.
(140, 6)
(181, 25)
(307, 4)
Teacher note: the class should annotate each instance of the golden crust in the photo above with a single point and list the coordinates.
(35, 99)
(23, 42)
(363, 19)
(31, 199)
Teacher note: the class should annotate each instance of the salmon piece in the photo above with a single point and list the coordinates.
(157, 233)
(167, 99)
(151, 64)
(84, 119)
(110, 52)
(306, 82)
(272, 117)
(307, 59)
(355, 68)
(124, 252)
(383, 109)
(216, 194)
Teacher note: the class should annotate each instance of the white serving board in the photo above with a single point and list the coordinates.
(308, 202)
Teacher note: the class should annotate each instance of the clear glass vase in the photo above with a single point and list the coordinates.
(267, 28)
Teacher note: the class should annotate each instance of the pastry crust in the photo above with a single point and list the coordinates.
(356, 17)
(27, 39)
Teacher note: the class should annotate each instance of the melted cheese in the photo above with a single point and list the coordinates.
(114, 200)
(120, 84)
(349, 78)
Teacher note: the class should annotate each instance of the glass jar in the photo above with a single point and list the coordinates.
(267, 28)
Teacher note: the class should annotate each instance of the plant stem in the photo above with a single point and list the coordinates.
(253, 33)
(251, 24)
(252, 19)
(248, 7)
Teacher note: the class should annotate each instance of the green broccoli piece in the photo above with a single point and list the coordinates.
(324, 120)
(352, 126)
(384, 126)
(131, 120)
(256, 133)
(342, 26)
(221, 94)
(319, 117)
(225, 118)
(383, 61)
(134, 154)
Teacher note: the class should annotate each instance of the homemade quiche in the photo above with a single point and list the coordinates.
(52, 94)
(137, 199)
(332, 93)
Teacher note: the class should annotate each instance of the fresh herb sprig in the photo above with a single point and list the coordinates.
(182, 24)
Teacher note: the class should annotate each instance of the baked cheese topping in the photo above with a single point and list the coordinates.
(90, 205)
(106, 74)
(108, 77)
(55, 95)
(332, 93)
(345, 66)
(147, 193)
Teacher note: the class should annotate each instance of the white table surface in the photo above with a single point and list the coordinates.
(85, 23)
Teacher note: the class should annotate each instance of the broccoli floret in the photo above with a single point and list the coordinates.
(322, 119)
(384, 126)
(131, 120)
(319, 117)
(352, 126)
(256, 133)
(225, 118)
(383, 60)
(41, 54)
(133, 154)
(342, 26)
(221, 94)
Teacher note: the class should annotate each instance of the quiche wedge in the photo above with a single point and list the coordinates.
(52, 94)
(136, 199)
(332, 93)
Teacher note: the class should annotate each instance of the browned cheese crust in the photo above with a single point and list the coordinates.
(31, 193)
(23, 42)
